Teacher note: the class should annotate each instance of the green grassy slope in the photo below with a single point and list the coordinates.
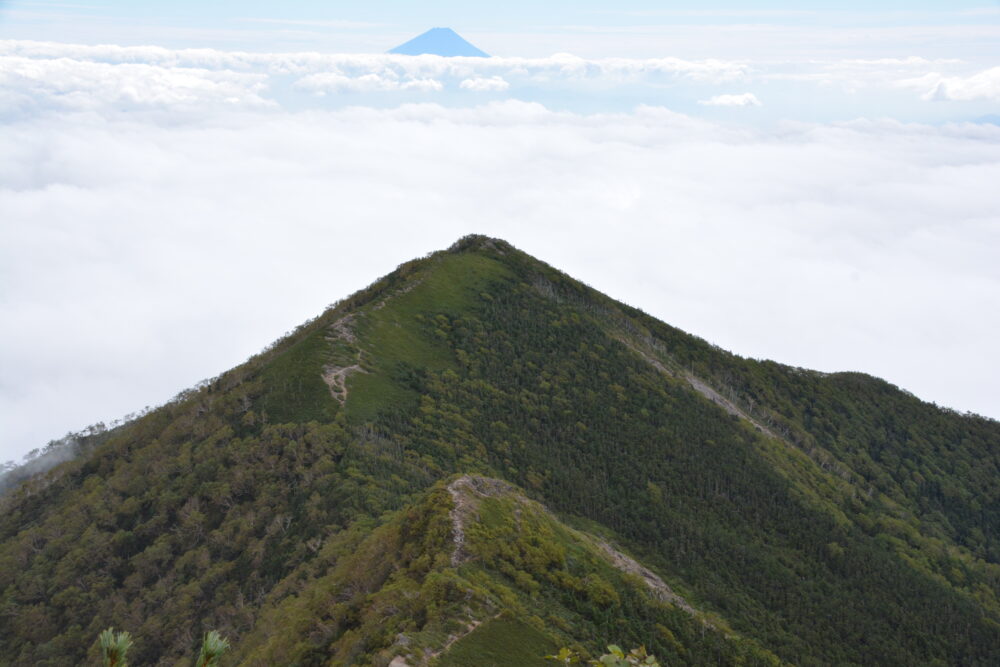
(522, 585)
(551, 393)
(839, 521)
(500, 642)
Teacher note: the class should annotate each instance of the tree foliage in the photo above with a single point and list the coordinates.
(114, 647)
(212, 647)
(824, 519)
(615, 657)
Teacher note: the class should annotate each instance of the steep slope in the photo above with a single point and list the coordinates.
(827, 519)
(449, 579)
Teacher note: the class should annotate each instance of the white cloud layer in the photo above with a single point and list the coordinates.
(37, 77)
(109, 72)
(564, 64)
(140, 253)
(332, 82)
(742, 100)
(984, 85)
(64, 83)
(484, 85)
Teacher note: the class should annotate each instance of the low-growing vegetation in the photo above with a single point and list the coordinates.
(804, 518)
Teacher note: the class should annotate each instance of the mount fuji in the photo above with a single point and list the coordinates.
(439, 42)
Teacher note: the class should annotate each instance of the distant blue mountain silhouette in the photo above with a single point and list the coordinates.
(440, 42)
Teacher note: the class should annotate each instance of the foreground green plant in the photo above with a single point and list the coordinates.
(114, 646)
(615, 657)
(212, 648)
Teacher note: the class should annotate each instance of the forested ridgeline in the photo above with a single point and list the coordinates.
(837, 521)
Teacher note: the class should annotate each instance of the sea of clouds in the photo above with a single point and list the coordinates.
(42, 76)
(165, 214)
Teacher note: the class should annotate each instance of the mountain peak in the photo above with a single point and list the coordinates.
(472, 242)
(439, 42)
(455, 464)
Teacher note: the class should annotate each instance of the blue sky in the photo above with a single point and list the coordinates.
(325, 25)
(182, 182)
(800, 61)
(513, 12)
